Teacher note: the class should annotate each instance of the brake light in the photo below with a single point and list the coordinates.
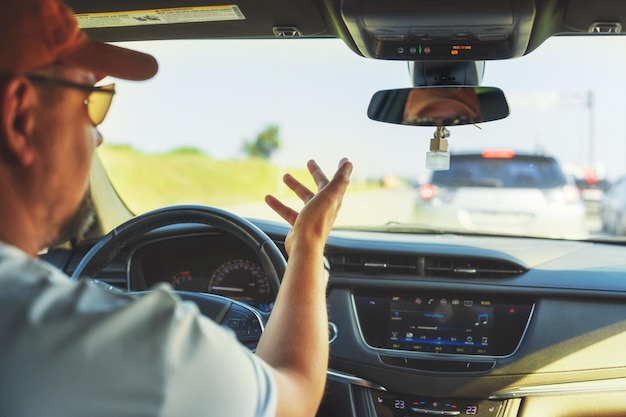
(567, 194)
(590, 177)
(427, 191)
(498, 153)
(571, 194)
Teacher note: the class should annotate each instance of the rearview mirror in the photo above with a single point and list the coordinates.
(438, 106)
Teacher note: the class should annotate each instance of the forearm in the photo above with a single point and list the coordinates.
(295, 341)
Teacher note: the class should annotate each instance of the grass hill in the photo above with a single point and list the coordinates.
(186, 175)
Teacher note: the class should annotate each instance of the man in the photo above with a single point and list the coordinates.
(72, 348)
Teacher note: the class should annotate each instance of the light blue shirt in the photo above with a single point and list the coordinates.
(78, 349)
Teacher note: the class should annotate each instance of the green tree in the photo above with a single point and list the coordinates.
(265, 144)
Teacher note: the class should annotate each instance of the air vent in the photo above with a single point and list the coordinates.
(424, 265)
(374, 263)
(470, 268)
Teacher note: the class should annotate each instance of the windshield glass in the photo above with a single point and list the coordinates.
(223, 120)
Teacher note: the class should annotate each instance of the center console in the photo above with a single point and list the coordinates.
(443, 333)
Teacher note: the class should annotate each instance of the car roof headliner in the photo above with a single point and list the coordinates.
(331, 18)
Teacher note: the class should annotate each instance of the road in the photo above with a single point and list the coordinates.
(367, 207)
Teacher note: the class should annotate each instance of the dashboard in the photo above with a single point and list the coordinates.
(478, 325)
(431, 324)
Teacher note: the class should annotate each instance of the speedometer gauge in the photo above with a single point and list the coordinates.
(242, 280)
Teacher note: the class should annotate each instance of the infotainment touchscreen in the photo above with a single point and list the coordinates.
(442, 323)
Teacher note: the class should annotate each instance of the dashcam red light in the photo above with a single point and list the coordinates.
(498, 153)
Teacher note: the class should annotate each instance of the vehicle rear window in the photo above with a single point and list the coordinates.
(515, 172)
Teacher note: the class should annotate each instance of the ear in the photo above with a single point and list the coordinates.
(18, 101)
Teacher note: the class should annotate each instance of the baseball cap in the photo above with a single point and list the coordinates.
(35, 33)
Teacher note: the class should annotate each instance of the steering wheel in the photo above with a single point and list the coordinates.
(216, 307)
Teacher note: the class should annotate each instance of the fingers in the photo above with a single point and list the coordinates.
(297, 187)
(342, 175)
(318, 175)
(300, 189)
(339, 184)
(345, 168)
(282, 210)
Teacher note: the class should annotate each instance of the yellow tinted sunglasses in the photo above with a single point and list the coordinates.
(98, 101)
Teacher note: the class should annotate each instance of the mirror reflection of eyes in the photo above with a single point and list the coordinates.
(438, 106)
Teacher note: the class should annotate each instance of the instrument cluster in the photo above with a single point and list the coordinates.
(203, 263)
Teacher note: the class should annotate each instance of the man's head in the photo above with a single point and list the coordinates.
(50, 111)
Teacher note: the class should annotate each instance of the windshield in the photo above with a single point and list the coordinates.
(223, 120)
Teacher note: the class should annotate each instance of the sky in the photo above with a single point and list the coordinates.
(215, 95)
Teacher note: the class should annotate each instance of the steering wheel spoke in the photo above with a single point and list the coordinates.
(246, 322)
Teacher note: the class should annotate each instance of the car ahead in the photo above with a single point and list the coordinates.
(504, 192)
(423, 320)
(592, 187)
(613, 209)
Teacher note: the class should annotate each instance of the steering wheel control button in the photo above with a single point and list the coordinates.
(242, 322)
(237, 321)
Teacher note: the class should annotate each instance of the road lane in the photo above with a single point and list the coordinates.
(375, 207)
